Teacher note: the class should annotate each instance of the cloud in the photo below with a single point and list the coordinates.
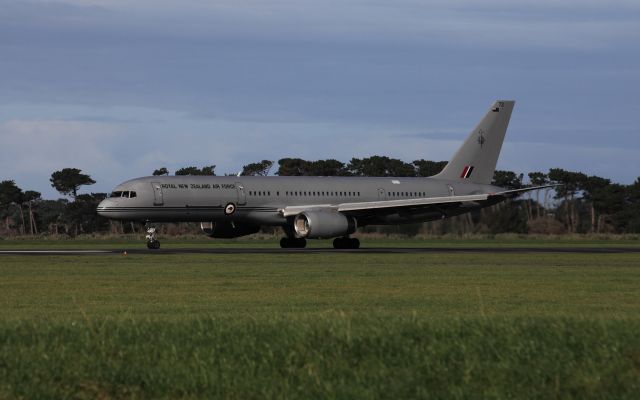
(143, 84)
(33, 149)
(571, 24)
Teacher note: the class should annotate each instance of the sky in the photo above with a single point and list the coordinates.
(120, 88)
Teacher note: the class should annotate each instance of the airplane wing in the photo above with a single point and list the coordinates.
(381, 205)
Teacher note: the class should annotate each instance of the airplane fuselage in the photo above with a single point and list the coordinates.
(260, 200)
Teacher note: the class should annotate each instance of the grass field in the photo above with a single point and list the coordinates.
(431, 325)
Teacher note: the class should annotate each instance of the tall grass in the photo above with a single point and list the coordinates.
(333, 356)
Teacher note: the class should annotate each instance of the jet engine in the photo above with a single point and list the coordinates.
(318, 224)
(227, 230)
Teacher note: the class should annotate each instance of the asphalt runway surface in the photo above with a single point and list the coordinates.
(364, 250)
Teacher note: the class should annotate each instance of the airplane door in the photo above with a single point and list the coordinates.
(242, 197)
(382, 194)
(158, 199)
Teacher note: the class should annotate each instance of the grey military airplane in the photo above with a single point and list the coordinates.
(320, 207)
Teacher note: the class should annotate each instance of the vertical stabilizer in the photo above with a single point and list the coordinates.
(475, 161)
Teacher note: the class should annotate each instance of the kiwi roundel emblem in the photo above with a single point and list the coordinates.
(229, 209)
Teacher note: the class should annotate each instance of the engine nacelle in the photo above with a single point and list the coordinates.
(323, 224)
(227, 230)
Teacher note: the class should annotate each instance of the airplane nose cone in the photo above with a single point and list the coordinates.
(103, 207)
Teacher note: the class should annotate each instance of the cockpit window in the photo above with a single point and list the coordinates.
(125, 194)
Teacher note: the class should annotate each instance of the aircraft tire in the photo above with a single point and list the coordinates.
(153, 245)
(346, 243)
(293, 243)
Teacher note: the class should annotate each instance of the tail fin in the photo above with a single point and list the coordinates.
(475, 161)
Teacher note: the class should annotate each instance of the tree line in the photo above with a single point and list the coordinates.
(581, 204)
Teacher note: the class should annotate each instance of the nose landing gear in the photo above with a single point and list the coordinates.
(152, 242)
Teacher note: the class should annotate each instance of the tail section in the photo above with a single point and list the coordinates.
(475, 161)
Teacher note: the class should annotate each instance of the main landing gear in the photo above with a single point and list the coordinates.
(152, 242)
(346, 243)
(293, 243)
(338, 243)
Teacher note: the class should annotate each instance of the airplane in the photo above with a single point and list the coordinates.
(320, 207)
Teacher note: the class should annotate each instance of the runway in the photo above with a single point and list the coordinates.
(365, 250)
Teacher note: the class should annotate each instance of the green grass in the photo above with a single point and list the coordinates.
(436, 325)
(332, 356)
(174, 286)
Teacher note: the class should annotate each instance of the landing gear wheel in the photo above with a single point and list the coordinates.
(346, 243)
(152, 242)
(293, 243)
